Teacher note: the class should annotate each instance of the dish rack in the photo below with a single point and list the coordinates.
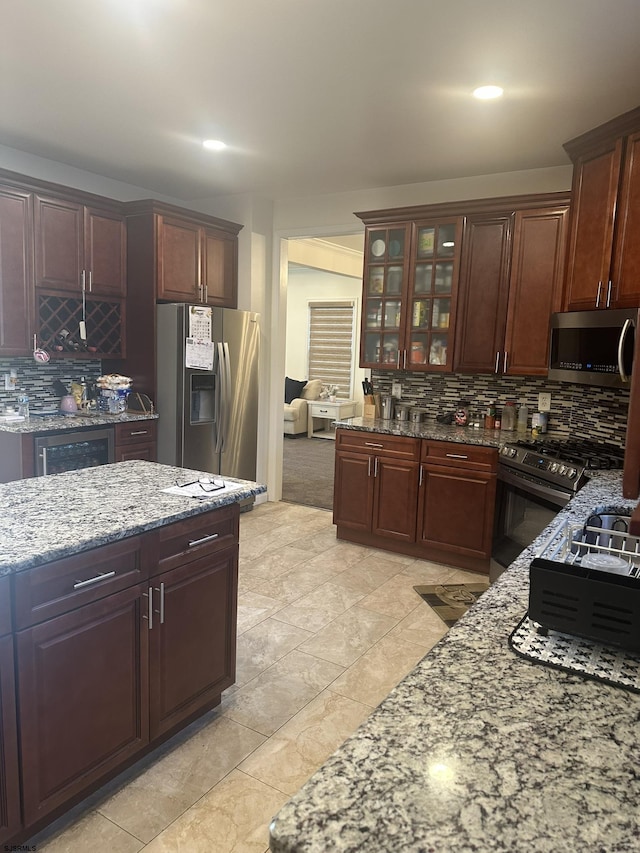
(567, 596)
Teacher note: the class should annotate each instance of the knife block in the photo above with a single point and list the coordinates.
(372, 407)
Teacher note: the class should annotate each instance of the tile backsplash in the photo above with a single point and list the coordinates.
(37, 379)
(583, 411)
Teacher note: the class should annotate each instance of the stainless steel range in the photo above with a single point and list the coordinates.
(536, 478)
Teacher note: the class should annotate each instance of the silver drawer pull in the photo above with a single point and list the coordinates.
(203, 540)
(139, 432)
(371, 444)
(97, 579)
(456, 456)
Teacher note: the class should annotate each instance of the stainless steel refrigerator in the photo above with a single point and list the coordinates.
(208, 414)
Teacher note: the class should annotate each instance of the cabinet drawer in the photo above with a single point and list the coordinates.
(186, 540)
(136, 432)
(5, 604)
(470, 456)
(63, 585)
(379, 444)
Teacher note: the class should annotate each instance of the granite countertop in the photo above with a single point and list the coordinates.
(37, 423)
(480, 750)
(46, 518)
(438, 432)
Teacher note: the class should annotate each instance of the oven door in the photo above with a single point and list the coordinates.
(525, 506)
(73, 450)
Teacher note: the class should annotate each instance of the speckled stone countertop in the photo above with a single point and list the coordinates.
(46, 518)
(480, 750)
(438, 432)
(38, 423)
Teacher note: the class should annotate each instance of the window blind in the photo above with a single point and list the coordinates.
(331, 344)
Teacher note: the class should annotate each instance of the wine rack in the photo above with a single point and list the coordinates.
(103, 318)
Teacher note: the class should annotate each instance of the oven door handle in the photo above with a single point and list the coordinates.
(551, 493)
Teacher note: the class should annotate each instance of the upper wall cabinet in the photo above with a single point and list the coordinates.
(604, 253)
(195, 258)
(16, 281)
(79, 248)
(510, 284)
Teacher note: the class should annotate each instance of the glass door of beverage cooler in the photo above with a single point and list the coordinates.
(385, 277)
(432, 291)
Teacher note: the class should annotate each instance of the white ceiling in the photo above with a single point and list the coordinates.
(312, 96)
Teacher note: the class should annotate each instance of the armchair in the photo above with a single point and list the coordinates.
(295, 412)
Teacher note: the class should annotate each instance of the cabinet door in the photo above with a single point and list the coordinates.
(594, 195)
(179, 255)
(105, 253)
(9, 774)
(455, 511)
(219, 270)
(16, 304)
(59, 244)
(626, 265)
(535, 289)
(353, 490)
(83, 698)
(430, 303)
(395, 499)
(484, 292)
(192, 643)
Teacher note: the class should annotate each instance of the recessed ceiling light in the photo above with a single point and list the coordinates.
(486, 93)
(214, 145)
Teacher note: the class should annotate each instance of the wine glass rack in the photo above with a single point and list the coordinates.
(103, 318)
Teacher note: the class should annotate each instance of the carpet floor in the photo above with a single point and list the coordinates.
(307, 471)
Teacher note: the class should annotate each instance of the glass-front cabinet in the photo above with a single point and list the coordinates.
(410, 283)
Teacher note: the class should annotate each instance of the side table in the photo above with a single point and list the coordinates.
(328, 411)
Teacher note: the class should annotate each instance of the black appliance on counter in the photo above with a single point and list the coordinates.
(536, 479)
(593, 347)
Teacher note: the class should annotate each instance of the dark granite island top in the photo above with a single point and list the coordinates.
(46, 518)
(480, 750)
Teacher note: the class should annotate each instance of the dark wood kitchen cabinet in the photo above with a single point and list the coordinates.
(136, 440)
(376, 484)
(457, 499)
(511, 280)
(9, 769)
(603, 267)
(79, 248)
(16, 272)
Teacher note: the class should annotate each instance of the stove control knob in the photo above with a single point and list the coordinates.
(512, 452)
(571, 473)
(553, 467)
(563, 469)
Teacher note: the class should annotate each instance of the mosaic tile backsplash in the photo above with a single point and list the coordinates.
(582, 411)
(37, 379)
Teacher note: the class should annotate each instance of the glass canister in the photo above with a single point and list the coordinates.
(509, 416)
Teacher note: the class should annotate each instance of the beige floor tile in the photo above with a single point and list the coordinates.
(376, 673)
(302, 745)
(254, 608)
(349, 636)
(268, 701)
(261, 646)
(319, 607)
(293, 585)
(424, 572)
(276, 562)
(265, 543)
(234, 817)
(91, 832)
(422, 627)
(171, 785)
(396, 597)
(368, 574)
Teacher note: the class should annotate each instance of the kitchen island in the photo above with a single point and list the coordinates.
(118, 604)
(480, 750)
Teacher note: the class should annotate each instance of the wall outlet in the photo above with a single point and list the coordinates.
(544, 402)
(10, 380)
(396, 390)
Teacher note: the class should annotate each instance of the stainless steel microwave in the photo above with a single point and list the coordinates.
(593, 347)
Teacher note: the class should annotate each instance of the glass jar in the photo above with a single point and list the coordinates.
(509, 416)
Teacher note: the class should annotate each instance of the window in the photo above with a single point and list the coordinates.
(331, 344)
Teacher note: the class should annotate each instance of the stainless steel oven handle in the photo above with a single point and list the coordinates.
(623, 335)
(551, 493)
(44, 461)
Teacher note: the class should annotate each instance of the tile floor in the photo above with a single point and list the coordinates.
(325, 630)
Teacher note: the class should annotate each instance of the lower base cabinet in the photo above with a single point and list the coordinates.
(118, 648)
(10, 820)
(429, 499)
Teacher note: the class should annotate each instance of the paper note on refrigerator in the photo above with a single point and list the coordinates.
(198, 354)
(200, 322)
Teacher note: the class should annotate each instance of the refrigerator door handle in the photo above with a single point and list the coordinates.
(227, 392)
(219, 398)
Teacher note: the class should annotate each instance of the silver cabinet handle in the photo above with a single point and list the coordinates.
(371, 444)
(598, 294)
(139, 432)
(204, 539)
(368, 466)
(609, 293)
(456, 456)
(497, 368)
(404, 359)
(45, 467)
(375, 467)
(90, 281)
(398, 360)
(83, 281)
(160, 589)
(420, 476)
(149, 596)
(97, 579)
(623, 334)
(504, 365)
(206, 293)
